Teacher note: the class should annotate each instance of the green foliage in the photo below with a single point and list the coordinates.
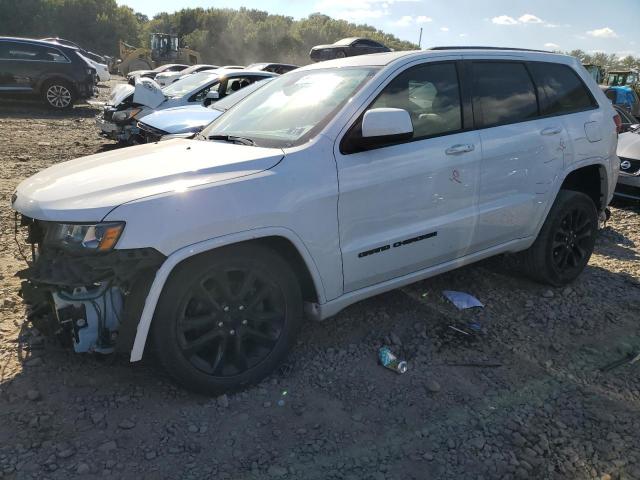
(607, 61)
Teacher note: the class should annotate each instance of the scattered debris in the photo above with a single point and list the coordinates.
(33, 395)
(433, 386)
(629, 359)
(462, 300)
(390, 361)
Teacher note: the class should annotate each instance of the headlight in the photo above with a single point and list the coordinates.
(125, 115)
(101, 237)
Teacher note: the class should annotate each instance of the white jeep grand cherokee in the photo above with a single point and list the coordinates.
(332, 183)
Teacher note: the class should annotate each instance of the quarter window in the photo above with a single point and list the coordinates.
(430, 94)
(560, 89)
(502, 93)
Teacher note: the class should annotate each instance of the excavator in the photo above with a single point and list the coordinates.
(165, 48)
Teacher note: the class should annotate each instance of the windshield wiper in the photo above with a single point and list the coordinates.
(233, 139)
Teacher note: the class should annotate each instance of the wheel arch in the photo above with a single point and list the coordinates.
(592, 180)
(281, 240)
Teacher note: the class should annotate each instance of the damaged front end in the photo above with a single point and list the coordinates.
(80, 289)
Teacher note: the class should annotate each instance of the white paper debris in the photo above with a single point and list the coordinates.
(462, 300)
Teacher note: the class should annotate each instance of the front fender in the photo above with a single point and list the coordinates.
(182, 254)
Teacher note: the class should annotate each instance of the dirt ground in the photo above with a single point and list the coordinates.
(522, 398)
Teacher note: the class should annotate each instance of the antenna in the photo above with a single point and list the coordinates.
(420, 40)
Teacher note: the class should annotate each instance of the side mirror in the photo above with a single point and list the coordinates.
(386, 125)
(212, 95)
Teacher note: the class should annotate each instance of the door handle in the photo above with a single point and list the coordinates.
(551, 131)
(460, 148)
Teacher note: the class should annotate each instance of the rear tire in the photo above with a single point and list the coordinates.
(227, 318)
(565, 242)
(58, 94)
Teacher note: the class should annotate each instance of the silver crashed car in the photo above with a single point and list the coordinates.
(629, 153)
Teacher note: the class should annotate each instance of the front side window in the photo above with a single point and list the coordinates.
(291, 109)
(502, 93)
(431, 95)
(559, 88)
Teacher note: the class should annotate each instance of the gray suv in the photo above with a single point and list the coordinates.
(52, 71)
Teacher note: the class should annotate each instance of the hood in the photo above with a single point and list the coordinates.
(181, 119)
(119, 94)
(629, 145)
(147, 92)
(87, 189)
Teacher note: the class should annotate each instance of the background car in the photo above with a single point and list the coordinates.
(59, 74)
(629, 153)
(625, 97)
(168, 77)
(189, 120)
(97, 61)
(347, 47)
(169, 67)
(127, 104)
(279, 68)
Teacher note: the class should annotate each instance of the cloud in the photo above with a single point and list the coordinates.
(408, 20)
(358, 10)
(462, 35)
(403, 21)
(504, 20)
(444, 29)
(552, 46)
(529, 18)
(604, 32)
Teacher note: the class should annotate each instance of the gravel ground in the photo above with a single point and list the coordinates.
(522, 398)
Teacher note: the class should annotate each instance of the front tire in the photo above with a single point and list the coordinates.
(565, 242)
(227, 318)
(58, 95)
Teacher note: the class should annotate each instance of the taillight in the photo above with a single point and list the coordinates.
(618, 121)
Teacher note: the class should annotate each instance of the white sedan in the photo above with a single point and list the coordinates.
(167, 78)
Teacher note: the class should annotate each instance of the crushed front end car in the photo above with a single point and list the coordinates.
(81, 289)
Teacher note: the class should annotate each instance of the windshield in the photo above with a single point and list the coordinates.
(293, 108)
(189, 84)
(230, 100)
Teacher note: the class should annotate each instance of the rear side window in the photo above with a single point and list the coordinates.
(25, 51)
(502, 93)
(560, 89)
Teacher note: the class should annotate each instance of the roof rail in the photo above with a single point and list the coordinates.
(487, 48)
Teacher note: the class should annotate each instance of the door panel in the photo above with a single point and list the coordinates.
(406, 207)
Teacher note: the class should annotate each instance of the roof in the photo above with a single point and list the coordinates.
(386, 58)
(39, 42)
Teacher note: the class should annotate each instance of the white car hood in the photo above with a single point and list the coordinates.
(147, 92)
(119, 93)
(87, 189)
(629, 145)
(181, 119)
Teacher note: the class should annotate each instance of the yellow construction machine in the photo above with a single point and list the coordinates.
(164, 48)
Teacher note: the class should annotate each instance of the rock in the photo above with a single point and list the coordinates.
(478, 442)
(150, 455)
(547, 294)
(109, 446)
(66, 453)
(126, 424)
(193, 429)
(83, 469)
(33, 395)
(433, 386)
(223, 401)
(529, 304)
(276, 471)
(97, 417)
(395, 339)
(33, 362)
(23, 158)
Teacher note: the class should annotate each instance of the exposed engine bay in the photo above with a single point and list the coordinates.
(90, 301)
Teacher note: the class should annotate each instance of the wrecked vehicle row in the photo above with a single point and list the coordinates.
(129, 104)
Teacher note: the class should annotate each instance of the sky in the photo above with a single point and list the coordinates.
(590, 25)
